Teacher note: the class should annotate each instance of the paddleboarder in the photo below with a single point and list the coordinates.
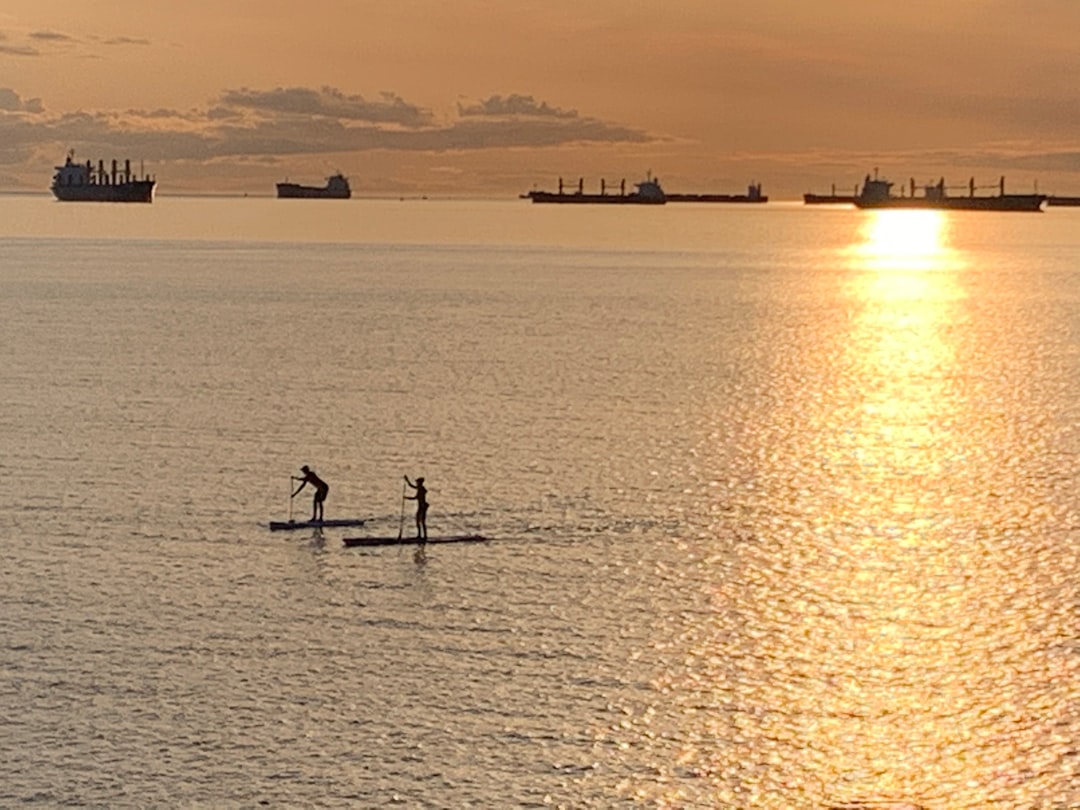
(421, 506)
(321, 489)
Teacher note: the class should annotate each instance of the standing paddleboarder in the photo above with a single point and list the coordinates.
(321, 489)
(421, 506)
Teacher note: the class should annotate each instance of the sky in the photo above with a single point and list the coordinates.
(493, 98)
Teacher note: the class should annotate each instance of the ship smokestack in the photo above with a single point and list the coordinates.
(101, 171)
(603, 186)
(113, 177)
(127, 171)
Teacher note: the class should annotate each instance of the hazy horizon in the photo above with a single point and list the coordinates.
(482, 100)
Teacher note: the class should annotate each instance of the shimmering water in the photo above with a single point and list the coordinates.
(784, 505)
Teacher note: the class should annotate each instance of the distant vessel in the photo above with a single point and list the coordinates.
(832, 198)
(648, 193)
(336, 188)
(753, 195)
(81, 182)
(1056, 199)
(877, 193)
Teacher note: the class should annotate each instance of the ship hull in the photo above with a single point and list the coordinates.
(717, 198)
(139, 191)
(292, 191)
(828, 199)
(1007, 202)
(591, 199)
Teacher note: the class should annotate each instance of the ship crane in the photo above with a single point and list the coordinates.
(971, 186)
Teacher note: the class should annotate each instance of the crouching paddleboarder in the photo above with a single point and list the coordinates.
(421, 506)
(321, 489)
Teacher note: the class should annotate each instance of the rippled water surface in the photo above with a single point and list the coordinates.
(783, 505)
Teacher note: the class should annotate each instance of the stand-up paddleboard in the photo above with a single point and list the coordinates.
(284, 526)
(368, 542)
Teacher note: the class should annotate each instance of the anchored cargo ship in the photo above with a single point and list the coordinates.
(831, 198)
(81, 182)
(877, 193)
(336, 188)
(648, 193)
(753, 195)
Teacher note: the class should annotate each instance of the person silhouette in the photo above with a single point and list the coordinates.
(321, 490)
(421, 506)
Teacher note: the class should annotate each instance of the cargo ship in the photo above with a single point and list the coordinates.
(877, 193)
(648, 193)
(336, 188)
(81, 182)
(753, 195)
(831, 198)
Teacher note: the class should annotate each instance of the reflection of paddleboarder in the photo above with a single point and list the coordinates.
(321, 488)
(421, 506)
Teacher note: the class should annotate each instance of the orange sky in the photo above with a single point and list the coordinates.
(494, 97)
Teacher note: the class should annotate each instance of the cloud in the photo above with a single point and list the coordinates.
(37, 43)
(51, 36)
(126, 41)
(221, 113)
(10, 101)
(472, 134)
(19, 50)
(328, 102)
(1030, 157)
(304, 120)
(514, 105)
(253, 124)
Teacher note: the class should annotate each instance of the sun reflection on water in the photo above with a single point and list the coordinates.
(900, 354)
(905, 240)
(873, 633)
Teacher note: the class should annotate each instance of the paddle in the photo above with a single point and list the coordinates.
(291, 496)
(401, 520)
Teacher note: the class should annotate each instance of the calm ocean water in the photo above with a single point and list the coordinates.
(783, 501)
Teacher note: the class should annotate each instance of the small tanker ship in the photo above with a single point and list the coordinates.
(336, 188)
